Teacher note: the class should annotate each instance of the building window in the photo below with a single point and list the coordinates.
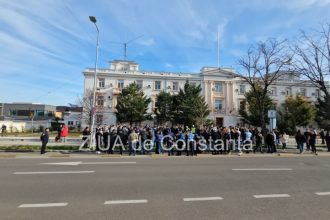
(101, 82)
(139, 83)
(120, 83)
(40, 113)
(175, 86)
(158, 85)
(70, 122)
(272, 91)
(217, 104)
(218, 87)
(100, 100)
(99, 119)
(288, 91)
(317, 93)
(240, 103)
(302, 92)
(241, 89)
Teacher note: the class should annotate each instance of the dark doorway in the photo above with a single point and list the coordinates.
(219, 122)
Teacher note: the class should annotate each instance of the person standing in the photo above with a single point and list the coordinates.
(64, 133)
(133, 139)
(44, 140)
(258, 141)
(270, 142)
(3, 130)
(312, 141)
(59, 131)
(190, 143)
(307, 135)
(300, 139)
(327, 140)
(86, 133)
(284, 140)
(322, 136)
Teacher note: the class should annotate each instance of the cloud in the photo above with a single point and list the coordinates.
(168, 65)
(50, 42)
(147, 42)
(240, 39)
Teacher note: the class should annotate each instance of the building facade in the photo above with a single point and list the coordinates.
(70, 116)
(27, 111)
(222, 88)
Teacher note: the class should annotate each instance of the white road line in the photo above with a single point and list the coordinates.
(42, 205)
(323, 193)
(54, 172)
(202, 199)
(95, 163)
(76, 163)
(116, 202)
(272, 196)
(263, 169)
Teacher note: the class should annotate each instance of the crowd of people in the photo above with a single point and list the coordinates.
(180, 140)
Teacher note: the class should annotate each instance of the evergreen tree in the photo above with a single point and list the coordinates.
(296, 111)
(250, 110)
(189, 106)
(164, 101)
(132, 105)
(323, 112)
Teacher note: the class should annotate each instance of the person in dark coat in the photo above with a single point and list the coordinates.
(44, 140)
(270, 141)
(300, 139)
(312, 141)
(86, 132)
(322, 136)
(327, 140)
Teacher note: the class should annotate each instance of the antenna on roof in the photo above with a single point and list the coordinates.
(127, 42)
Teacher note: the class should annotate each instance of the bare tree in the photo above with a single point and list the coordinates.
(312, 57)
(87, 103)
(264, 64)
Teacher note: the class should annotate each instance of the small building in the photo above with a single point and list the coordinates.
(71, 116)
(28, 111)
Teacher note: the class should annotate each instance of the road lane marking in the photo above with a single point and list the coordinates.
(263, 169)
(323, 193)
(132, 162)
(76, 163)
(116, 202)
(202, 199)
(54, 172)
(272, 196)
(64, 163)
(43, 205)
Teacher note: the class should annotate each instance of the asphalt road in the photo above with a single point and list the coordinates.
(166, 188)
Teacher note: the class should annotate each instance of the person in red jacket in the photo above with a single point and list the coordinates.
(64, 133)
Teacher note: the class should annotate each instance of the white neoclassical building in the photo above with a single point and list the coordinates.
(222, 89)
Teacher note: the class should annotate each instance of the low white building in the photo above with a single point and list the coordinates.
(222, 89)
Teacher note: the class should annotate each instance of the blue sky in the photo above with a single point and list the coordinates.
(46, 44)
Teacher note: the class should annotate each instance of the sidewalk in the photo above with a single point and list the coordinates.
(63, 154)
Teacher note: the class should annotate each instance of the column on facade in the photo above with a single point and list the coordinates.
(211, 97)
(206, 95)
(231, 97)
(227, 98)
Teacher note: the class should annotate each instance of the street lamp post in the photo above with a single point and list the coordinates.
(93, 20)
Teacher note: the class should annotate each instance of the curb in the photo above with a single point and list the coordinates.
(111, 156)
(58, 155)
(7, 155)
